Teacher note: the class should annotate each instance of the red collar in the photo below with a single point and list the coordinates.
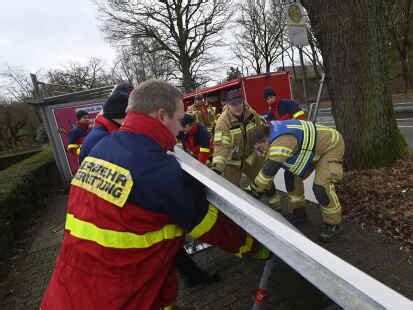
(193, 130)
(146, 125)
(109, 125)
(82, 125)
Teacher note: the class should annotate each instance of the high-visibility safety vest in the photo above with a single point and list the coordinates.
(305, 133)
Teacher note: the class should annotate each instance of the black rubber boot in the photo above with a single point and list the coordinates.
(191, 274)
(330, 232)
(299, 216)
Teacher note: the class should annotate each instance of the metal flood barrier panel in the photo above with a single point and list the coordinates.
(346, 285)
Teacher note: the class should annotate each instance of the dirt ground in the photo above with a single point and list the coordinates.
(381, 199)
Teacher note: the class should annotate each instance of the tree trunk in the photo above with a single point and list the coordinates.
(406, 75)
(351, 36)
(188, 82)
(282, 60)
(292, 62)
(314, 53)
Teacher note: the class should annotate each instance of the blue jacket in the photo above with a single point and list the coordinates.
(103, 128)
(160, 185)
(94, 136)
(76, 135)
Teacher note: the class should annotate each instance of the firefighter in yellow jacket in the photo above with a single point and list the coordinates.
(233, 140)
(203, 113)
(300, 147)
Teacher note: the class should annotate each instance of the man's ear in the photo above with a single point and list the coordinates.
(162, 114)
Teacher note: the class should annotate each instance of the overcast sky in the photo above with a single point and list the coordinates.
(40, 35)
(49, 33)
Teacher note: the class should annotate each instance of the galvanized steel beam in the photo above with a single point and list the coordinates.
(348, 286)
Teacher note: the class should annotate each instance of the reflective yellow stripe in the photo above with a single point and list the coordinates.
(308, 144)
(170, 307)
(281, 149)
(263, 179)
(298, 114)
(119, 239)
(335, 136)
(234, 162)
(279, 154)
(204, 150)
(206, 224)
(334, 139)
(246, 247)
(218, 136)
(235, 131)
(295, 127)
(226, 140)
(218, 160)
(334, 210)
(324, 128)
(72, 146)
(251, 126)
(293, 198)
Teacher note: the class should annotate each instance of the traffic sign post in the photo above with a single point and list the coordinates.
(297, 33)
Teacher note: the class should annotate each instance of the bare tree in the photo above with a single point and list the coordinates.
(261, 37)
(77, 76)
(14, 118)
(17, 83)
(185, 29)
(233, 73)
(399, 14)
(247, 51)
(140, 61)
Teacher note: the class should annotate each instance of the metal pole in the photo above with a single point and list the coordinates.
(317, 102)
(300, 49)
(261, 293)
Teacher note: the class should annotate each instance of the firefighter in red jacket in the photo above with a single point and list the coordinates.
(78, 134)
(283, 109)
(114, 111)
(195, 138)
(129, 208)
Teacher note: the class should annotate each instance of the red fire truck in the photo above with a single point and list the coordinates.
(252, 88)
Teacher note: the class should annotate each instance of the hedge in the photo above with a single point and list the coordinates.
(11, 159)
(23, 189)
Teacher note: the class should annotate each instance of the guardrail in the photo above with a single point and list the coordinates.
(398, 107)
(348, 286)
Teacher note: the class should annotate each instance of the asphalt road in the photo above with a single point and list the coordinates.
(404, 117)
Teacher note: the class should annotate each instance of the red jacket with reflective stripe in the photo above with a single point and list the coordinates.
(196, 141)
(105, 262)
(285, 109)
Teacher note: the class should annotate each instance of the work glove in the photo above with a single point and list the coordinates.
(216, 170)
(250, 189)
